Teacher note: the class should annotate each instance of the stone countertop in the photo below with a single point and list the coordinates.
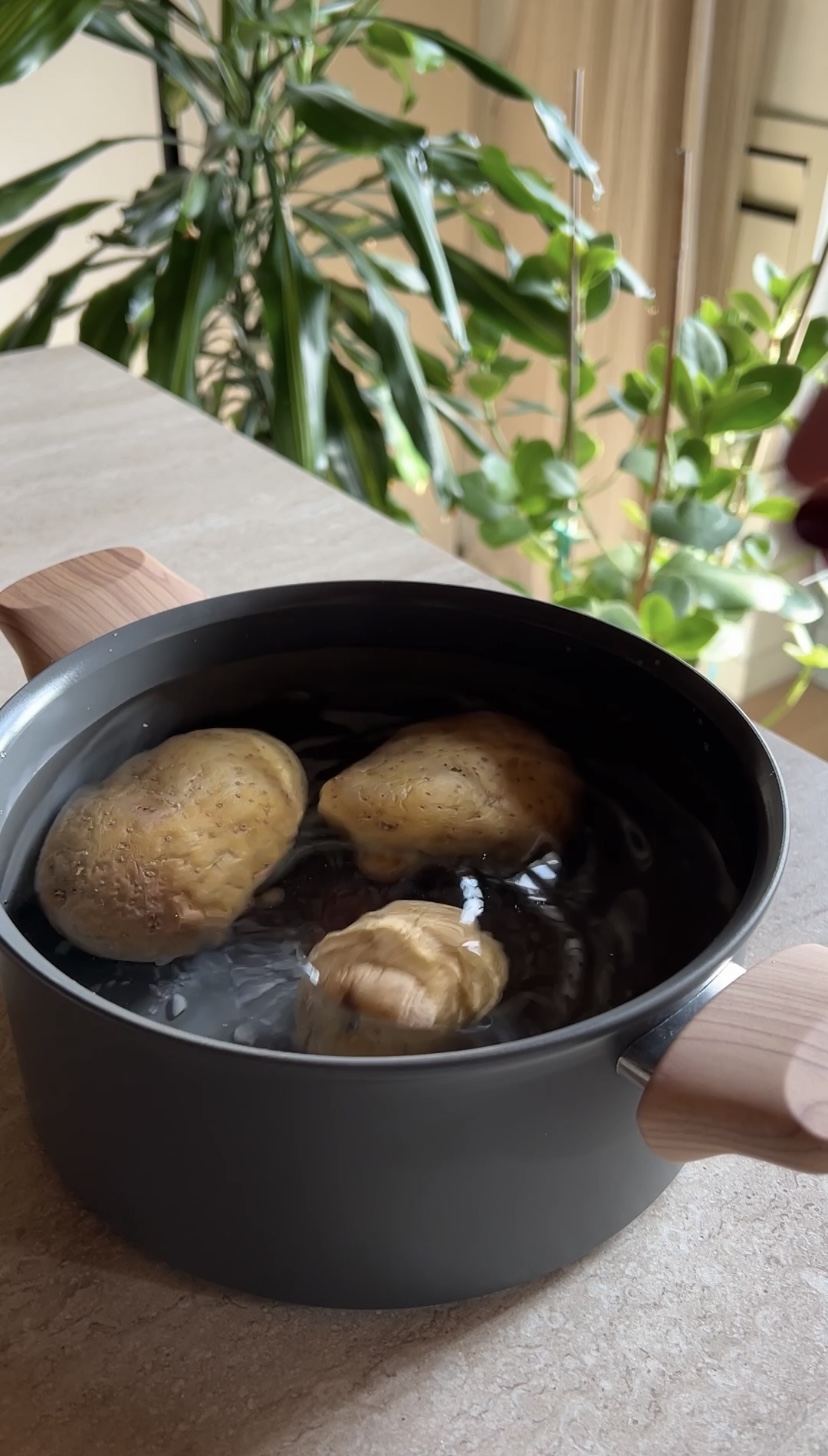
(702, 1329)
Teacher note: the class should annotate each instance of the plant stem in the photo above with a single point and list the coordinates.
(796, 691)
(672, 330)
(494, 428)
(798, 333)
(568, 450)
(590, 525)
(309, 47)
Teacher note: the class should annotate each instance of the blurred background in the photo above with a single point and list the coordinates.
(740, 83)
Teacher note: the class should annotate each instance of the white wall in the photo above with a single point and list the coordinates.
(795, 77)
(90, 90)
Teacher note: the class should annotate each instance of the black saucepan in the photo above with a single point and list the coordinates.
(409, 1180)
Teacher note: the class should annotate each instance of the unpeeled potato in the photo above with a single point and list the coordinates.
(161, 858)
(398, 981)
(476, 787)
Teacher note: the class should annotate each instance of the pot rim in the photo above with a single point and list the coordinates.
(39, 694)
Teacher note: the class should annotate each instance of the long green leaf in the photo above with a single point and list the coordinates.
(108, 319)
(331, 113)
(152, 214)
(197, 276)
(533, 321)
(454, 162)
(566, 144)
(356, 445)
(32, 30)
(408, 387)
(497, 78)
(19, 248)
(189, 71)
(21, 194)
(354, 308)
(391, 337)
(412, 194)
(523, 188)
(33, 327)
(465, 433)
(213, 71)
(295, 299)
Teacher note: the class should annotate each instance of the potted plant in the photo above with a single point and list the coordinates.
(264, 283)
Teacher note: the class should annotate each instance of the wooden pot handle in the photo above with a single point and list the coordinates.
(749, 1073)
(46, 615)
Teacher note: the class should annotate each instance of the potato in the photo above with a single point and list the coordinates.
(161, 858)
(479, 787)
(399, 980)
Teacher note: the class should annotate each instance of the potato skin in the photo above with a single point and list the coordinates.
(399, 981)
(161, 858)
(480, 787)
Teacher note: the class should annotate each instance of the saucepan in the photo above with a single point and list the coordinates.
(405, 1180)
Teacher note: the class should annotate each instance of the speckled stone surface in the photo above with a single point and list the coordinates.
(702, 1330)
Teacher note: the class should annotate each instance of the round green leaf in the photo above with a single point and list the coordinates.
(634, 514)
(739, 344)
(587, 379)
(814, 346)
(799, 605)
(751, 309)
(766, 274)
(691, 635)
(639, 391)
(542, 275)
(640, 462)
(560, 478)
(718, 480)
(677, 591)
(600, 296)
(505, 532)
(685, 473)
(585, 448)
(479, 499)
(658, 620)
(618, 614)
(486, 385)
(776, 508)
(701, 350)
(757, 549)
(500, 476)
(683, 392)
(611, 576)
(699, 452)
(694, 523)
(762, 396)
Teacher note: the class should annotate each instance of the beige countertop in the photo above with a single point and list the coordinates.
(702, 1329)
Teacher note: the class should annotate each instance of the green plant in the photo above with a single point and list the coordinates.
(266, 282)
(269, 283)
(703, 509)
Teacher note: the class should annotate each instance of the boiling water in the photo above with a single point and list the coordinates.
(640, 891)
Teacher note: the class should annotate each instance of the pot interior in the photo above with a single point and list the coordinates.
(681, 827)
